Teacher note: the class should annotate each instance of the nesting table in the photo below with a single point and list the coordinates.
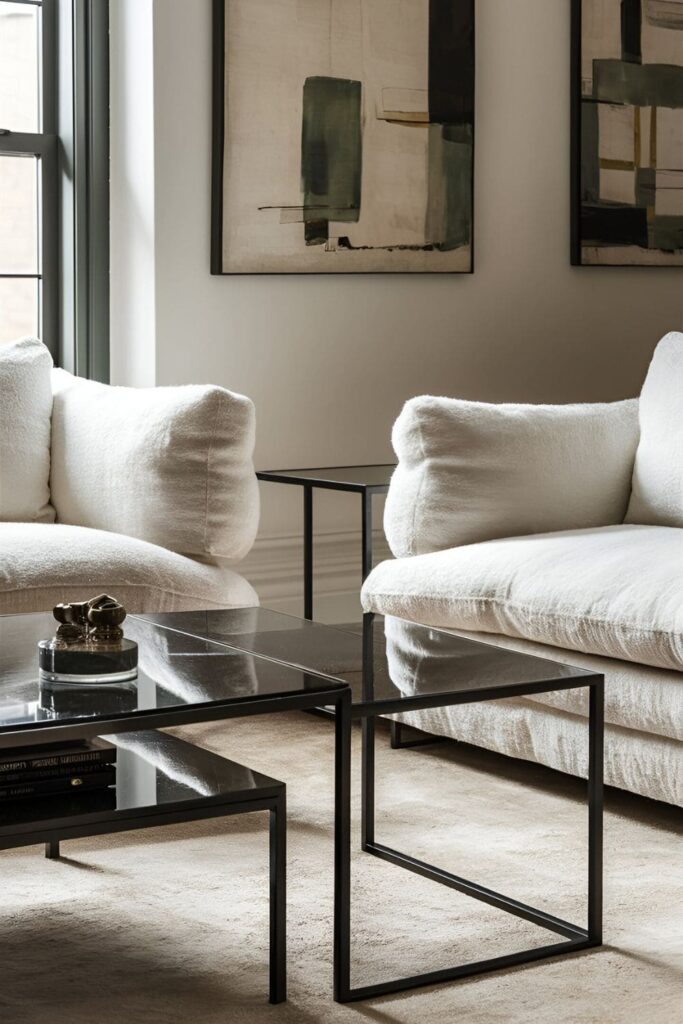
(367, 481)
(210, 665)
(390, 666)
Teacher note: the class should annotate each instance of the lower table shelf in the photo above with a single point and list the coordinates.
(163, 780)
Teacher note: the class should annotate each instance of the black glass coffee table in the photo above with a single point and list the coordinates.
(364, 480)
(395, 666)
(182, 679)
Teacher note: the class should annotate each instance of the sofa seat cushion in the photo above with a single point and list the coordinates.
(615, 591)
(42, 564)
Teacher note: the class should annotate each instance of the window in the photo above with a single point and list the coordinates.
(28, 145)
(54, 205)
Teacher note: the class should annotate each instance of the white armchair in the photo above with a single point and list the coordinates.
(147, 493)
(555, 530)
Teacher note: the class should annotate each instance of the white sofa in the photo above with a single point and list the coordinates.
(555, 530)
(147, 493)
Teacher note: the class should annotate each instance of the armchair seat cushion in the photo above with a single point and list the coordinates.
(615, 591)
(42, 564)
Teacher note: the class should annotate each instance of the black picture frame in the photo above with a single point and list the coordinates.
(218, 73)
(576, 254)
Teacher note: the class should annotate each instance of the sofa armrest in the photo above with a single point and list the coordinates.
(169, 465)
(472, 471)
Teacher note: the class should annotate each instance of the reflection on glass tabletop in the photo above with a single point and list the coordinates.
(409, 662)
(175, 670)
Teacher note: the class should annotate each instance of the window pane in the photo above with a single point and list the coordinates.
(19, 39)
(18, 215)
(18, 308)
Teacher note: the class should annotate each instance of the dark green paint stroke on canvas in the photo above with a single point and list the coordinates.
(590, 156)
(331, 154)
(667, 233)
(640, 85)
(449, 202)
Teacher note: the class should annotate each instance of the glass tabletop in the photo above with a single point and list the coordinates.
(357, 477)
(153, 772)
(175, 671)
(410, 664)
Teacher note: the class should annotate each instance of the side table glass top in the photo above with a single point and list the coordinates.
(411, 664)
(176, 671)
(357, 478)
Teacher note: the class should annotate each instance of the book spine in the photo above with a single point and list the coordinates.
(98, 780)
(39, 774)
(28, 763)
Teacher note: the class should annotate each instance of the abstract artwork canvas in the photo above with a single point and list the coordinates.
(343, 136)
(627, 145)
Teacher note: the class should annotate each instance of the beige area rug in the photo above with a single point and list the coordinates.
(169, 926)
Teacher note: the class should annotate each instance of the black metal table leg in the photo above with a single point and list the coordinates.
(368, 737)
(52, 849)
(367, 534)
(278, 900)
(308, 552)
(596, 734)
(342, 848)
(395, 734)
(367, 783)
(574, 937)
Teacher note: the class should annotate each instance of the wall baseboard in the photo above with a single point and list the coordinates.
(274, 567)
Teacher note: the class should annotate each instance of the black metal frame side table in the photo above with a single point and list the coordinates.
(370, 705)
(364, 480)
(397, 666)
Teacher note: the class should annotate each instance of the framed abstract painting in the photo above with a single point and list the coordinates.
(343, 136)
(627, 132)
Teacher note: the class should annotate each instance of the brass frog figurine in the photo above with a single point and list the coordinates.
(97, 621)
(105, 616)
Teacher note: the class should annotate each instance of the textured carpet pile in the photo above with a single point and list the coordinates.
(170, 925)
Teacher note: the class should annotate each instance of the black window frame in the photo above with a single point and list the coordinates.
(72, 146)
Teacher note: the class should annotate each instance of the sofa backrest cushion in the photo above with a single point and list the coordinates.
(170, 465)
(25, 411)
(657, 485)
(472, 471)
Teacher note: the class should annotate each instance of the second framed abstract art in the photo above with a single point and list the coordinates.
(343, 136)
(627, 139)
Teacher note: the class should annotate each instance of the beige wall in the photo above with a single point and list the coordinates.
(329, 361)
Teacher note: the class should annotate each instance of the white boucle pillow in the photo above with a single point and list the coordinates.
(169, 465)
(472, 471)
(25, 411)
(657, 486)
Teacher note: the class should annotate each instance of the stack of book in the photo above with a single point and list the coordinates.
(57, 768)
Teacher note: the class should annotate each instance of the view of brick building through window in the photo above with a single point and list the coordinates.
(19, 187)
